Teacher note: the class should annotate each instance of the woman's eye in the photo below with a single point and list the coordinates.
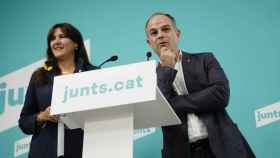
(62, 36)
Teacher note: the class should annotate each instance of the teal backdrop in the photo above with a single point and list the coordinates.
(243, 34)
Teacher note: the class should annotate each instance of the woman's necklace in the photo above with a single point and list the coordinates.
(66, 72)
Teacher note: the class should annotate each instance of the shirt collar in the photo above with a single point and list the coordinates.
(180, 56)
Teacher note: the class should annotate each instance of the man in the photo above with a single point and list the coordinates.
(197, 89)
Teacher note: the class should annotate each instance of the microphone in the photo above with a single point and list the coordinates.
(148, 55)
(112, 58)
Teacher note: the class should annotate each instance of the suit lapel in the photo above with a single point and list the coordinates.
(187, 65)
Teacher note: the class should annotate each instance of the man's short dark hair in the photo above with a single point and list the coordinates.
(164, 14)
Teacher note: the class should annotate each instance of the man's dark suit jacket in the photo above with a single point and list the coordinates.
(208, 97)
(44, 140)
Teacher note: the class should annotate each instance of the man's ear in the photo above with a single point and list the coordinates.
(148, 42)
(178, 33)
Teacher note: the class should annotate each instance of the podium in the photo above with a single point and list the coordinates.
(108, 104)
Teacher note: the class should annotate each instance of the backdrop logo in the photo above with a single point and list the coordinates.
(12, 92)
(140, 133)
(268, 114)
(22, 146)
(14, 96)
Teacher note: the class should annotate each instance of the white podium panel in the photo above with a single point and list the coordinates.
(104, 88)
(108, 104)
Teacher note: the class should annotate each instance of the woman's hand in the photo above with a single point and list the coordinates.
(44, 116)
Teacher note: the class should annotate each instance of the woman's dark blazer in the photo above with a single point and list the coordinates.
(44, 139)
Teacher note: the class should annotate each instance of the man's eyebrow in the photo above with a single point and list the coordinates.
(166, 25)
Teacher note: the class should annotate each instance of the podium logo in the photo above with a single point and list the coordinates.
(95, 89)
(268, 114)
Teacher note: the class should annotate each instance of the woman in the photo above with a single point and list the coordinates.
(66, 54)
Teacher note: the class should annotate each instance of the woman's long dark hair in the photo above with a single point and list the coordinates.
(80, 53)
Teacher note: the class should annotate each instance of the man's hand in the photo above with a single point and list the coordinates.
(44, 116)
(167, 57)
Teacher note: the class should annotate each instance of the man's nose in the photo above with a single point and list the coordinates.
(160, 35)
